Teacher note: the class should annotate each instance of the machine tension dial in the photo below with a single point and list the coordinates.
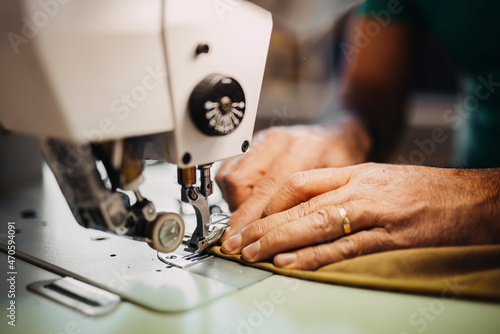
(217, 105)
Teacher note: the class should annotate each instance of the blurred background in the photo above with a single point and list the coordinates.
(302, 82)
(303, 72)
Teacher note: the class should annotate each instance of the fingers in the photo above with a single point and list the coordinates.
(259, 228)
(237, 177)
(252, 208)
(361, 243)
(303, 186)
(234, 193)
(321, 226)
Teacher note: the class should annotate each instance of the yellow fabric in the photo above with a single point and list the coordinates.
(454, 272)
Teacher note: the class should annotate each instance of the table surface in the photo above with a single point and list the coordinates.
(214, 298)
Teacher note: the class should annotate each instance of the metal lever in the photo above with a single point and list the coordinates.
(202, 237)
(200, 204)
(198, 198)
(77, 295)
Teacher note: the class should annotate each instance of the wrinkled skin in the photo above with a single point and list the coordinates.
(249, 182)
(390, 207)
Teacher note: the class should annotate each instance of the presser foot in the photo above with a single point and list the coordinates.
(216, 228)
(213, 237)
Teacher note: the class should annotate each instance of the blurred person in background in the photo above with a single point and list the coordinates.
(303, 195)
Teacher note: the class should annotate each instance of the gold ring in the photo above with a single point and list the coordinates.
(346, 223)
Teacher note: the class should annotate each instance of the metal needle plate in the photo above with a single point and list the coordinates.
(183, 262)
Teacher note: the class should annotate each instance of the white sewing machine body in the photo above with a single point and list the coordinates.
(105, 70)
(104, 85)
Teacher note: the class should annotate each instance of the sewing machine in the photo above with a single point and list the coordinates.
(104, 86)
(108, 84)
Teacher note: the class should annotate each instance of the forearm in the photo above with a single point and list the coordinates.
(370, 128)
(382, 116)
(484, 195)
(376, 82)
(347, 129)
(467, 201)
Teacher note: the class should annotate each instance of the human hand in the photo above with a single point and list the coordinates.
(390, 207)
(248, 182)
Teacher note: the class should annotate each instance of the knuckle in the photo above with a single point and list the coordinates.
(299, 144)
(321, 222)
(278, 237)
(254, 231)
(291, 193)
(258, 138)
(230, 180)
(241, 217)
(299, 211)
(226, 187)
(267, 135)
(314, 260)
(266, 187)
(230, 166)
(249, 211)
(297, 182)
(238, 219)
(303, 209)
(350, 247)
(377, 176)
(403, 241)
(268, 210)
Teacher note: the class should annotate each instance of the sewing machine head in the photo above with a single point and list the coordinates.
(104, 85)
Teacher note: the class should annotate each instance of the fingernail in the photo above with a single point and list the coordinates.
(231, 244)
(284, 260)
(250, 252)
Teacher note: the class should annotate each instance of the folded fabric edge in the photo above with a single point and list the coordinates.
(441, 286)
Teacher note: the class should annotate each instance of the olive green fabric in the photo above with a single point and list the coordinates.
(452, 272)
(468, 30)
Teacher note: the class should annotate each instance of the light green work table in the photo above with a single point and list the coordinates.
(273, 304)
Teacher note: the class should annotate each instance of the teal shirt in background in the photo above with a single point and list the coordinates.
(470, 32)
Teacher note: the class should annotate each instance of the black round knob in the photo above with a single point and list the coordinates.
(217, 105)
